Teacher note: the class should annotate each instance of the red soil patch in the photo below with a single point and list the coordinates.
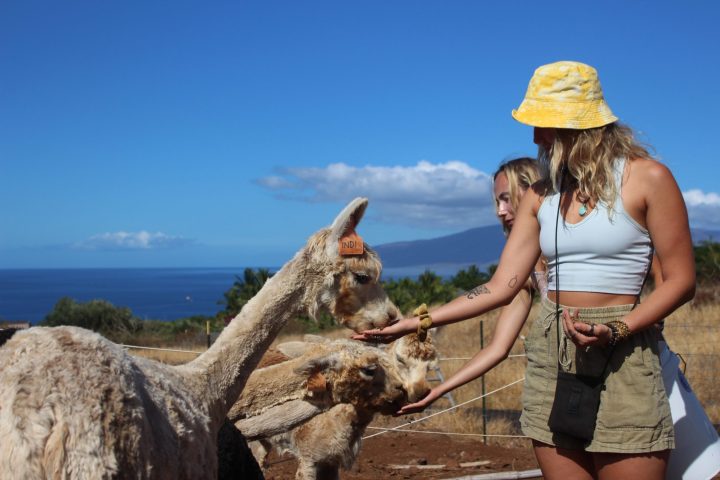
(379, 454)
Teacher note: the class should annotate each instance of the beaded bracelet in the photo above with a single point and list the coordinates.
(619, 330)
(425, 321)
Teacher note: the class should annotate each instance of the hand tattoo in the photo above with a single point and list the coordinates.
(477, 291)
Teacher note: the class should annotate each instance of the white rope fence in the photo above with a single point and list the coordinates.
(470, 358)
(445, 433)
(399, 428)
(385, 430)
(138, 347)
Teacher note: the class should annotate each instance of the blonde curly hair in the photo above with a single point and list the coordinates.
(588, 159)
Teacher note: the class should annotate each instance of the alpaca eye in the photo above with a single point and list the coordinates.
(369, 370)
(361, 278)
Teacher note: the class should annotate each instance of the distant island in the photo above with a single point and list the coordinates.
(480, 246)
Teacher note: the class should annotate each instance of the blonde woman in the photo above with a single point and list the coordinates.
(602, 205)
(510, 182)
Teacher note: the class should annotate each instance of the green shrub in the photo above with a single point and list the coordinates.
(116, 323)
(468, 279)
(242, 290)
(707, 262)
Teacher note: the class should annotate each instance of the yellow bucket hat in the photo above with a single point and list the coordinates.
(564, 95)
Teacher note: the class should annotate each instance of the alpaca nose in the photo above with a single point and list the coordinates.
(418, 391)
(401, 392)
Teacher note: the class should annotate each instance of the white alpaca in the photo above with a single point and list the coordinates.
(75, 405)
(332, 439)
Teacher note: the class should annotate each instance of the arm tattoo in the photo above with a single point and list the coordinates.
(512, 282)
(477, 291)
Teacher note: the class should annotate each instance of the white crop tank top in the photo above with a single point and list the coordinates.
(600, 253)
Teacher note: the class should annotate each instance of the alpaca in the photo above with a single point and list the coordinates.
(317, 376)
(412, 358)
(332, 439)
(75, 405)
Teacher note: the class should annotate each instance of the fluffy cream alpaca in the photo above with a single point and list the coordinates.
(74, 405)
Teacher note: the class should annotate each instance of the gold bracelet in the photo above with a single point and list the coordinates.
(425, 321)
(620, 331)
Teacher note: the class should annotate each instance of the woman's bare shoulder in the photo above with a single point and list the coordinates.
(651, 183)
(537, 193)
(648, 170)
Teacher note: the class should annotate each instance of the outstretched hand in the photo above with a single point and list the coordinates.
(420, 405)
(389, 333)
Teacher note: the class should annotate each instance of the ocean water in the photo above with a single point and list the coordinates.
(151, 293)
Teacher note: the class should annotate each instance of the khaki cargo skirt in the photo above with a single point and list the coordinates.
(634, 414)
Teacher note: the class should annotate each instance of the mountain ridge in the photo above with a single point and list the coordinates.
(479, 246)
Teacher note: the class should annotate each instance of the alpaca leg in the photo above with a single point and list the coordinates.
(307, 470)
(261, 450)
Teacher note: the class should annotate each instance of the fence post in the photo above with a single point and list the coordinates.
(207, 331)
(484, 412)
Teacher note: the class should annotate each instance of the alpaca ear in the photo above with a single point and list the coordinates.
(319, 364)
(421, 349)
(317, 383)
(413, 337)
(315, 370)
(348, 219)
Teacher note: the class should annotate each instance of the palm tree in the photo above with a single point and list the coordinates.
(243, 289)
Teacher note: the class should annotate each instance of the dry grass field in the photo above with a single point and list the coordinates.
(693, 332)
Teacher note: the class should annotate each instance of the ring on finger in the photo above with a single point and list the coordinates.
(592, 330)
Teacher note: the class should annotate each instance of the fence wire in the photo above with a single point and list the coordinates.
(446, 410)
(401, 428)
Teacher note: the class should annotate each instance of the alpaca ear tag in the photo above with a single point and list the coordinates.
(351, 244)
(317, 383)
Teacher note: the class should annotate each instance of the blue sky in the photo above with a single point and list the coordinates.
(141, 134)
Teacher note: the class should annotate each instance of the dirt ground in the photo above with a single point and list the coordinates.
(411, 456)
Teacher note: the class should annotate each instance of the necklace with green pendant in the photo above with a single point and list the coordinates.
(582, 210)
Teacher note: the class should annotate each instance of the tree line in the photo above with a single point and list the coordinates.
(120, 325)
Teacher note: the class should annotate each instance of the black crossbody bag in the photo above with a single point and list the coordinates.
(577, 397)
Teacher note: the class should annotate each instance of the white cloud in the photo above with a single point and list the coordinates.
(695, 198)
(275, 182)
(443, 195)
(703, 208)
(141, 240)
